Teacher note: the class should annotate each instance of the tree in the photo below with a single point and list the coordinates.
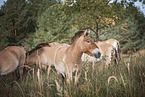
(92, 13)
(53, 26)
(19, 17)
(13, 19)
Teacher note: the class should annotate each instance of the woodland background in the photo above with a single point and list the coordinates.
(29, 22)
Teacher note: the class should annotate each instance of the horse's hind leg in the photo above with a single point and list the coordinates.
(21, 66)
(61, 78)
(16, 75)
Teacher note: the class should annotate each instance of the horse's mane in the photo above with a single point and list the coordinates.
(77, 35)
(38, 46)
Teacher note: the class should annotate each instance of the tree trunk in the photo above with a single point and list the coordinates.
(97, 30)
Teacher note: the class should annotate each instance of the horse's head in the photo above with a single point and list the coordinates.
(86, 44)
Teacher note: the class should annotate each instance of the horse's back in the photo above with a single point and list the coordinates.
(116, 45)
(107, 50)
(113, 42)
(10, 58)
(33, 57)
(105, 47)
(44, 55)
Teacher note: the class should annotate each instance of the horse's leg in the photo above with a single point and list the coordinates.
(16, 74)
(68, 77)
(21, 66)
(78, 74)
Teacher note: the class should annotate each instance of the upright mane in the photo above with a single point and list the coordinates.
(38, 46)
(77, 35)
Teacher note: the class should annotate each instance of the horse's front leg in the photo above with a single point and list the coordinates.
(69, 70)
(69, 76)
(78, 73)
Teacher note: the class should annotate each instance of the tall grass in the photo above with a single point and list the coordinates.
(126, 79)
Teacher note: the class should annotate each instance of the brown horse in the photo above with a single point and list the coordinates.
(11, 58)
(67, 59)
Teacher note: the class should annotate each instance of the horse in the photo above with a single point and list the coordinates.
(67, 58)
(32, 56)
(109, 48)
(106, 50)
(11, 58)
(116, 45)
(38, 46)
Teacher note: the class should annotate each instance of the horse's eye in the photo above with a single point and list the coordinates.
(88, 41)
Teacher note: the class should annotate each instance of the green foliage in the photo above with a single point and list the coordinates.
(90, 14)
(53, 26)
(18, 18)
(13, 20)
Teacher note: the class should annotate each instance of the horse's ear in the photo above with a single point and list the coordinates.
(86, 33)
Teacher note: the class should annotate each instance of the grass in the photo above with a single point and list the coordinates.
(126, 79)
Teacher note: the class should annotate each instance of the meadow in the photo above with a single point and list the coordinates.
(125, 79)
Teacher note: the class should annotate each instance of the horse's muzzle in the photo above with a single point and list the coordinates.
(97, 53)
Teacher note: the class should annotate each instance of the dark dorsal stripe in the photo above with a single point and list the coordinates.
(37, 47)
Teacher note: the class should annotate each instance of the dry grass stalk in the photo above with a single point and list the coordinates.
(28, 74)
(86, 75)
(40, 94)
(93, 66)
(109, 81)
(93, 70)
(19, 87)
(38, 75)
(123, 83)
(33, 73)
(48, 71)
(59, 89)
(77, 76)
(97, 89)
(128, 68)
(122, 80)
(66, 94)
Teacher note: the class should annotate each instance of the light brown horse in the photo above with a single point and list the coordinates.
(33, 56)
(40, 58)
(109, 49)
(116, 45)
(106, 50)
(67, 59)
(11, 58)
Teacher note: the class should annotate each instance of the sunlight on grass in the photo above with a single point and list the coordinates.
(126, 79)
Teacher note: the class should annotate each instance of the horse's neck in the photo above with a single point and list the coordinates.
(75, 53)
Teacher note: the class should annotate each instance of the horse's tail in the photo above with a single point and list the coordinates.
(117, 53)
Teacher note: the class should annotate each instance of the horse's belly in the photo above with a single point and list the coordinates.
(11, 66)
(60, 68)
